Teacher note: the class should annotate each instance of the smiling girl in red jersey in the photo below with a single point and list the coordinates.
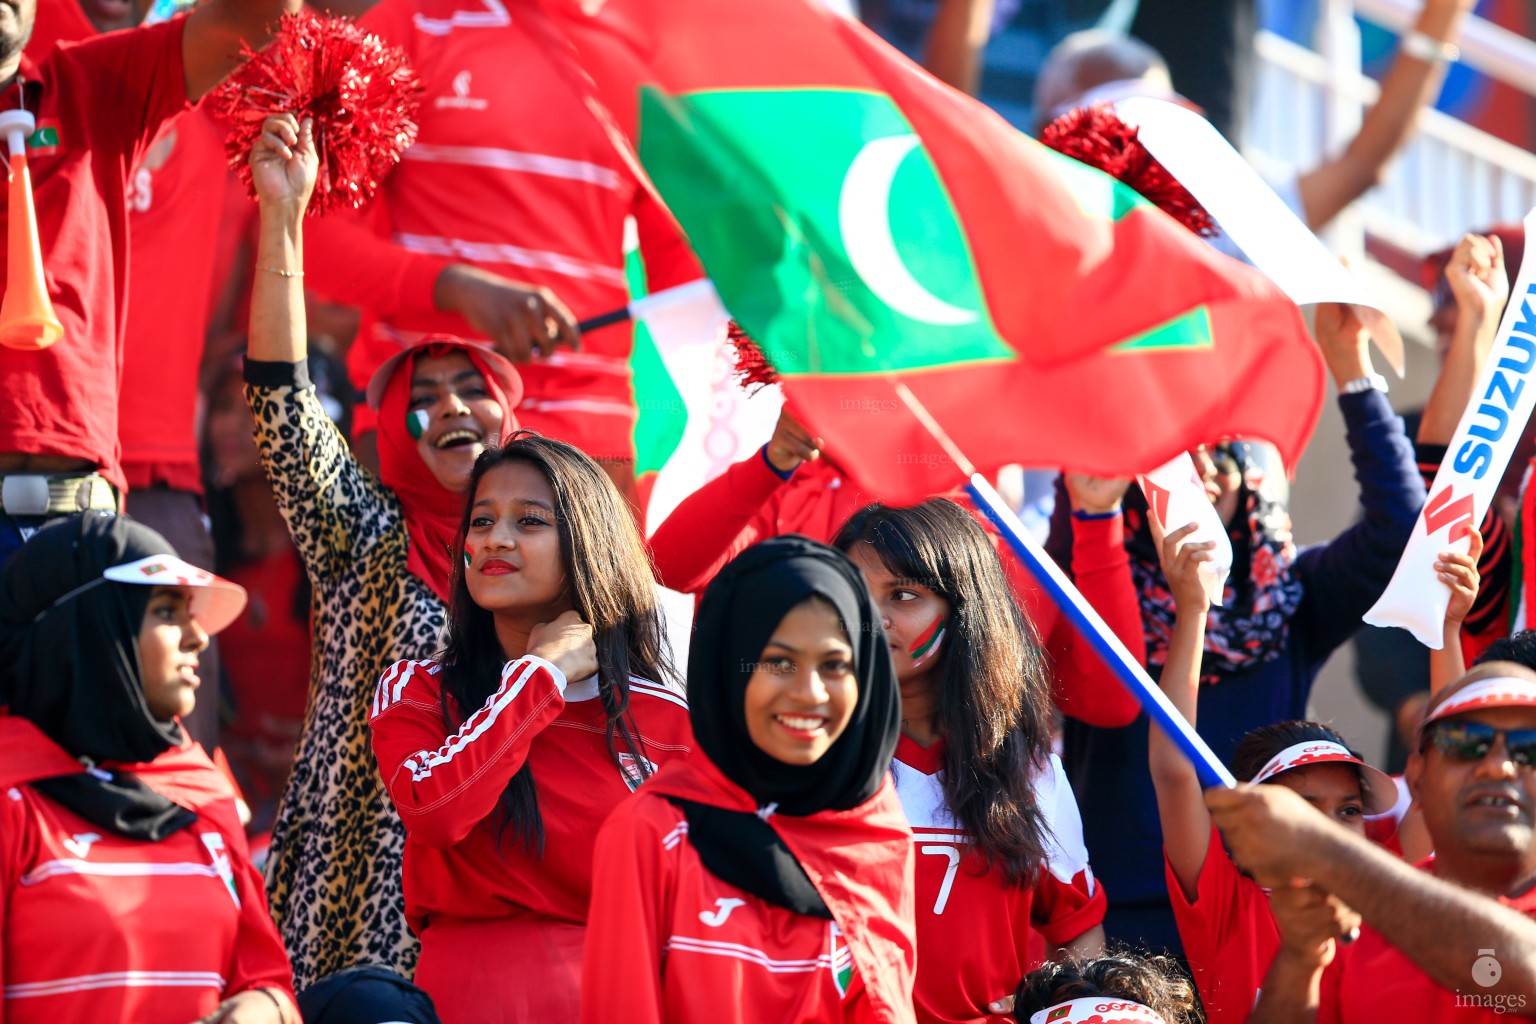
(1002, 875)
(504, 756)
(768, 877)
(126, 889)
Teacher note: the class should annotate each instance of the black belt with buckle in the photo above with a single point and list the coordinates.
(41, 494)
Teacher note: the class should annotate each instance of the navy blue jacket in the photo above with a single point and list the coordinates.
(1341, 579)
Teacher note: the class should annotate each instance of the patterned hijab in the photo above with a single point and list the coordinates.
(1253, 622)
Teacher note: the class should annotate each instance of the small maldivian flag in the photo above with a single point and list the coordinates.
(695, 421)
(870, 228)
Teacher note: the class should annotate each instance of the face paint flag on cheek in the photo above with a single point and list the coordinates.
(468, 557)
(416, 423)
(928, 643)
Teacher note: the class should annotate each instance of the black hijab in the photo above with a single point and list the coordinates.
(69, 664)
(739, 612)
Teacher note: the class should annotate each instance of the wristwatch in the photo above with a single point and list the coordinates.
(1370, 382)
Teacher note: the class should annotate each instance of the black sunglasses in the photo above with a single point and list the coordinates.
(1471, 741)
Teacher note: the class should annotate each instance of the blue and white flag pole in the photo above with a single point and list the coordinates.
(1045, 571)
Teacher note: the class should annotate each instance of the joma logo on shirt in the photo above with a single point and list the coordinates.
(80, 843)
(723, 907)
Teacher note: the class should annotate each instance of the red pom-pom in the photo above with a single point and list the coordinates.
(361, 93)
(753, 371)
(1095, 136)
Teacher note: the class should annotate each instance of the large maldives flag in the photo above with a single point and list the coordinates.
(891, 242)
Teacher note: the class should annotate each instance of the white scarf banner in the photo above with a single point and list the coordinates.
(1253, 216)
(1176, 497)
(1485, 439)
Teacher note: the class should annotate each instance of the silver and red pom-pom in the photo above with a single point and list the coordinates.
(753, 371)
(1096, 137)
(361, 93)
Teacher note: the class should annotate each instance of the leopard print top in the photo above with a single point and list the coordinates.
(334, 876)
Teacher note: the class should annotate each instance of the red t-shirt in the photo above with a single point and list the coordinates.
(1371, 981)
(459, 868)
(174, 210)
(1228, 933)
(512, 173)
(100, 927)
(99, 104)
(977, 935)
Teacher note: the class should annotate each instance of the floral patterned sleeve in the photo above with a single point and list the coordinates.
(336, 510)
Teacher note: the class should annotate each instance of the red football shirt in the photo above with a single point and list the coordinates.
(99, 927)
(512, 173)
(63, 399)
(463, 875)
(1371, 980)
(977, 935)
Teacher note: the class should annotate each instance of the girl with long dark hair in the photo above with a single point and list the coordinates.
(999, 839)
(126, 887)
(767, 877)
(547, 707)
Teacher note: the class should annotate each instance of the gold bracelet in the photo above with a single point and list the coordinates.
(282, 1013)
(280, 272)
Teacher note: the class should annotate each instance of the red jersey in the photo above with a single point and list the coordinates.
(466, 877)
(750, 502)
(101, 927)
(63, 400)
(1371, 980)
(977, 935)
(1228, 933)
(679, 945)
(174, 208)
(514, 174)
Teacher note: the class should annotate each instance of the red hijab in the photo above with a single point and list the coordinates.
(432, 512)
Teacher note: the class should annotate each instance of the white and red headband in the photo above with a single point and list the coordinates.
(1098, 1010)
(1496, 692)
(1379, 791)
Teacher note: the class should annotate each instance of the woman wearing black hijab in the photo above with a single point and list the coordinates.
(768, 875)
(126, 889)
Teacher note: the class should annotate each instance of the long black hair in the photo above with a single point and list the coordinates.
(611, 587)
(993, 694)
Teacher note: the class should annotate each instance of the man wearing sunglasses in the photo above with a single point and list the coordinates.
(1450, 940)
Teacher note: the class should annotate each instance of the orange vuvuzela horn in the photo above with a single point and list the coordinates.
(27, 320)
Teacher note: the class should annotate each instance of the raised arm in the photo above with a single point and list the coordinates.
(216, 29)
(1186, 822)
(727, 515)
(1410, 86)
(956, 41)
(1345, 576)
(1476, 275)
(1459, 572)
(1310, 922)
(1082, 685)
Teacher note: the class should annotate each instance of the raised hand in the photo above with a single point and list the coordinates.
(566, 643)
(1181, 560)
(1459, 572)
(284, 162)
(1476, 276)
(1095, 494)
(791, 444)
